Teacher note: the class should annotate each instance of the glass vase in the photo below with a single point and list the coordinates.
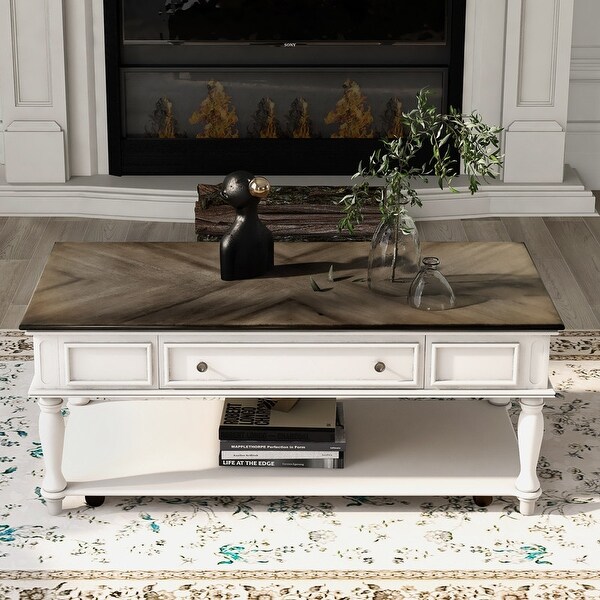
(430, 290)
(394, 256)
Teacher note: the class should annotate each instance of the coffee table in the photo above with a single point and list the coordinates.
(143, 340)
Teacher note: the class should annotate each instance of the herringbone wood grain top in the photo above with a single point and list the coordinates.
(137, 286)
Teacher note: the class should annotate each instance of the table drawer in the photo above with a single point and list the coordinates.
(298, 365)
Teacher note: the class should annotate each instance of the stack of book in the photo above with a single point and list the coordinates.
(253, 433)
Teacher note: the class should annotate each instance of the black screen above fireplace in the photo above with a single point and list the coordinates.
(285, 21)
(271, 86)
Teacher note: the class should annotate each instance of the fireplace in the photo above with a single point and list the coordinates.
(206, 87)
(56, 107)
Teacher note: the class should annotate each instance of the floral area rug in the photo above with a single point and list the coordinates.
(270, 548)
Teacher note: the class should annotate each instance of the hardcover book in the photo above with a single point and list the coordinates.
(322, 463)
(276, 454)
(311, 419)
(339, 444)
(284, 404)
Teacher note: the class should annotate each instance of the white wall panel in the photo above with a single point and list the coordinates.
(32, 85)
(484, 58)
(83, 159)
(583, 151)
(584, 101)
(536, 88)
(586, 23)
(31, 62)
(537, 67)
(583, 126)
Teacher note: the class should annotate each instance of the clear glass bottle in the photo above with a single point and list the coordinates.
(430, 290)
(394, 256)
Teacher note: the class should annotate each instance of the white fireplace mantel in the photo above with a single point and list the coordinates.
(53, 94)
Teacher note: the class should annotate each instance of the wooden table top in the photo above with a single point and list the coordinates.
(177, 286)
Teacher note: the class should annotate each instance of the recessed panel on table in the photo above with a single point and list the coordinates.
(487, 362)
(123, 364)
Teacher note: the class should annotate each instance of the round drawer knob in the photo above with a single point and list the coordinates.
(202, 367)
(380, 367)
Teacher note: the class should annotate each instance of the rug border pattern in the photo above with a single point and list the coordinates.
(306, 575)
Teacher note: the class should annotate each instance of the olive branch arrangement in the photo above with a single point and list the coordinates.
(478, 146)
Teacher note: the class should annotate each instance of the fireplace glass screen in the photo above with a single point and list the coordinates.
(273, 104)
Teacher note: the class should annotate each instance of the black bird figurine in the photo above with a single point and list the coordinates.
(246, 250)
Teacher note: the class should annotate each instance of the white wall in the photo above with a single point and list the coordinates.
(583, 125)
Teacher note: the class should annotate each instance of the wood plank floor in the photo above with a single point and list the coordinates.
(566, 251)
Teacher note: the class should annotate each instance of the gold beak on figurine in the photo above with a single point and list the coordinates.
(259, 187)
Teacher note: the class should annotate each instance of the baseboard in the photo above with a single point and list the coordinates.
(172, 198)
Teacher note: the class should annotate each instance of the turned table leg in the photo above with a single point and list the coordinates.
(52, 437)
(530, 430)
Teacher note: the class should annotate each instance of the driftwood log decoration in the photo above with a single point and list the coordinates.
(293, 213)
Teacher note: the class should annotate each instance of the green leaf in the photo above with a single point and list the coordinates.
(477, 143)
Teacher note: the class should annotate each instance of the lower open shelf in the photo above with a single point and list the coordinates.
(170, 447)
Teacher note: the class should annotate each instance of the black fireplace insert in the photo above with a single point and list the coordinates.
(271, 86)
